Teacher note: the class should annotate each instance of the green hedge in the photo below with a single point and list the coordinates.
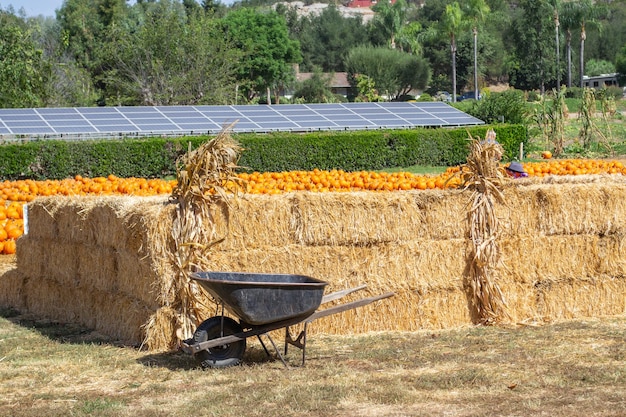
(156, 157)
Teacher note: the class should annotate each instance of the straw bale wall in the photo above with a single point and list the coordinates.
(103, 262)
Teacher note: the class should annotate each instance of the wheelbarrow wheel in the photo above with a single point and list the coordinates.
(224, 355)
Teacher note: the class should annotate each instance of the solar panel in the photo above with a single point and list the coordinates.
(181, 120)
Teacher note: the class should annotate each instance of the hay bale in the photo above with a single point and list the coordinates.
(32, 261)
(137, 278)
(538, 258)
(580, 209)
(556, 262)
(384, 268)
(60, 262)
(571, 298)
(12, 293)
(120, 317)
(97, 268)
(49, 299)
(443, 214)
(256, 221)
(360, 218)
(40, 217)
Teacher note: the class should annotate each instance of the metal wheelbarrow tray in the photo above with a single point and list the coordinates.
(258, 299)
(262, 303)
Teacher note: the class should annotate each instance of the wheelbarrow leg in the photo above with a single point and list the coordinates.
(299, 342)
(267, 352)
(282, 359)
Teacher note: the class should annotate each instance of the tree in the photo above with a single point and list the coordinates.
(476, 12)
(269, 52)
(609, 33)
(452, 22)
(407, 39)
(393, 72)
(568, 22)
(599, 66)
(191, 7)
(580, 15)
(85, 26)
(315, 89)
(587, 15)
(533, 60)
(170, 58)
(556, 5)
(325, 39)
(23, 70)
(389, 19)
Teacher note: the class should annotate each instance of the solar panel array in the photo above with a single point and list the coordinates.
(182, 120)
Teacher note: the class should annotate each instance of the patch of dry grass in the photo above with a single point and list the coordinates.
(574, 368)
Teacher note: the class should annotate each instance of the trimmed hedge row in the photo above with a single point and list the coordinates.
(156, 157)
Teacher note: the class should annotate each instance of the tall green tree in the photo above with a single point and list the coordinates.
(24, 71)
(389, 19)
(568, 20)
(393, 72)
(476, 12)
(407, 39)
(607, 37)
(170, 58)
(85, 26)
(556, 6)
(620, 65)
(326, 38)
(580, 16)
(599, 66)
(69, 84)
(452, 23)
(449, 25)
(269, 52)
(533, 65)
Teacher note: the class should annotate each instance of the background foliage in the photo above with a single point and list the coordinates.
(112, 52)
(275, 152)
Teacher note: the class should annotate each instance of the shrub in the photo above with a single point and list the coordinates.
(533, 96)
(281, 151)
(574, 92)
(425, 97)
(506, 107)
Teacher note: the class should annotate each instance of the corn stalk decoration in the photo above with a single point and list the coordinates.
(206, 176)
(550, 116)
(483, 176)
(587, 116)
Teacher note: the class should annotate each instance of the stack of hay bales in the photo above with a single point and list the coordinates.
(100, 261)
(87, 260)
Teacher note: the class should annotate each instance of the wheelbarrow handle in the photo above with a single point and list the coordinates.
(339, 294)
(347, 306)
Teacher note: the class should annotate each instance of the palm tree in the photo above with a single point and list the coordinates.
(476, 11)
(390, 18)
(569, 21)
(580, 14)
(556, 5)
(451, 24)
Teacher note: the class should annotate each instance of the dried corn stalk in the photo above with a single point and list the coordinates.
(483, 176)
(206, 176)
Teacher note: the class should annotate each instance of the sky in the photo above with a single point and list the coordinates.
(34, 7)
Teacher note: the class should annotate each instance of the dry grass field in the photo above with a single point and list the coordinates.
(566, 369)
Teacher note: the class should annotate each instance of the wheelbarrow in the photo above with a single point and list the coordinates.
(261, 303)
